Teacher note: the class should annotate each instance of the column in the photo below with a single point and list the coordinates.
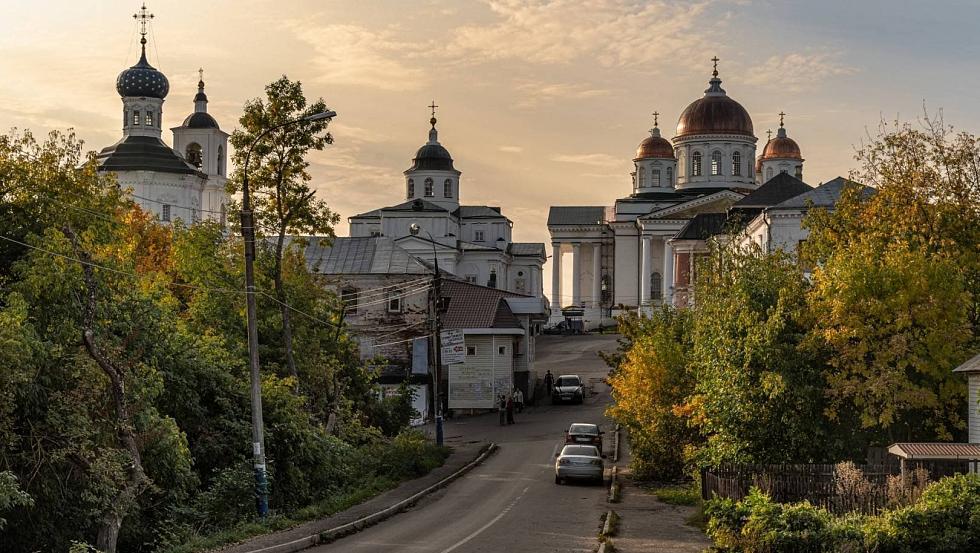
(556, 280)
(577, 274)
(596, 274)
(668, 273)
(645, 255)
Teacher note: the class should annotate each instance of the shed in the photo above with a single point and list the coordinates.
(936, 451)
(972, 370)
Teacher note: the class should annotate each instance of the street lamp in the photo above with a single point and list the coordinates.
(415, 229)
(248, 236)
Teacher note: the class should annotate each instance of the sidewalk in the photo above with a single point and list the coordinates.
(648, 525)
(462, 454)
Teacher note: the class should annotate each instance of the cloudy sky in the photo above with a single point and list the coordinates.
(541, 103)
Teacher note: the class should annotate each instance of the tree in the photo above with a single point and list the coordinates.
(279, 180)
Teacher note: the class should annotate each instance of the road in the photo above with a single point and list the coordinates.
(510, 502)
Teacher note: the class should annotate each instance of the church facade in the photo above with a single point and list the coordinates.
(641, 251)
(186, 181)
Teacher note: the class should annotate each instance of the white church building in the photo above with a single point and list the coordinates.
(641, 251)
(185, 182)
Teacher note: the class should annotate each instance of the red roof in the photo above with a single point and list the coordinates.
(473, 306)
(935, 451)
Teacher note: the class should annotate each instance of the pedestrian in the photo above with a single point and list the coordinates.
(510, 410)
(519, 400)
(549, 382)
(502, 409)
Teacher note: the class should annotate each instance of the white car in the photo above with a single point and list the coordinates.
(579, 462)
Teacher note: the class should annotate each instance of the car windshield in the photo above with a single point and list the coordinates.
(586, 450)
(583, 429)
(567, 381)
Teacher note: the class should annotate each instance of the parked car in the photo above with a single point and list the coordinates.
(584, 433)
(579, 462)
(568, 387)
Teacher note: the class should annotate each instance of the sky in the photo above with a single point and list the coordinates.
(540, 103)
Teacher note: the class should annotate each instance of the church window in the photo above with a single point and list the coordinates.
(148, 121)
(478, 236)
(411, 188)
(429, 185)
(492, 283)
(471, 279)
(655, 180)
(193, 154)
(781, 171)
(768, 173)
(656, 286)
(715, 164)
(348, 296)
(165, 213)
(447, 188)
(642, 176)
(737, 164)
(136, 117)
(221, 160)
(799, 172)
(670, 176)
(696, 164)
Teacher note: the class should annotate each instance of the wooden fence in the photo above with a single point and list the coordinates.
(824, 485)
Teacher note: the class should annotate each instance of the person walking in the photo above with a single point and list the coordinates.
(549, 383)
(510, 410)
(519, 400)
(502, 409)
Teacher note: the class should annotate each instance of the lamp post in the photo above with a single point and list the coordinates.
(248, 236)
(436, 329)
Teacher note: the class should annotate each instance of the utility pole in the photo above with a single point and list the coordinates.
(436, 324)
(248, 236)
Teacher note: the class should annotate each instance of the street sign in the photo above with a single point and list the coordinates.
(453, 347)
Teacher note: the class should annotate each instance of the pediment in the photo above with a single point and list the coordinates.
(719, 202)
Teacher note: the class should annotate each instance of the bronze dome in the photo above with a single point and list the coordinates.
(715, 113)
(782, 147)
(655, 146)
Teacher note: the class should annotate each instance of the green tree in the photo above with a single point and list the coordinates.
(284, 203)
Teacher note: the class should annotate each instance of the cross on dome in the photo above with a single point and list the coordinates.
(715, 60)
(781, 115)
(433, 107)
(656, 115)
(768, 134)
(143, 17)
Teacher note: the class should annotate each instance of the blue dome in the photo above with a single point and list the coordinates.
(143, 81)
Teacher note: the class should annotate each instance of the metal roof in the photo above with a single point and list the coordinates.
(825, 195)
(527, 249)
(971, 366)
(936, 451)
(702, 226)
(479, 212)
(576, 215)
(142, 153)
(474, 306)
(776, 190)
(361, 255)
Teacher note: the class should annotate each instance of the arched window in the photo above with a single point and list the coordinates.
(221, 160)
(429, 192)
(656, 286)
(737, 164)
(411, 188)
(715, 164)
(799, 172)
(642, 176)
(136, 117)
(148, 121)
(447, 188)
(696, 164)
(193, 154)
(655, 178)
(670, 176)
(768, 173)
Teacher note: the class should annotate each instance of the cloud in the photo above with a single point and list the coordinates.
(613, 33)
(356, 55)
(596, 160)
(796, 71)
(511, 149)
(535, 93)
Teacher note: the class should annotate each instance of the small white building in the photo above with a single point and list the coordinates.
(972, 371)
(186, 182)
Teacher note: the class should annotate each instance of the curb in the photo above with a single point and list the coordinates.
(607, 526)
(613, 496)
(616, 445)
(332, 534)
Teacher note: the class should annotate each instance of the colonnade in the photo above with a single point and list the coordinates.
(595, 298)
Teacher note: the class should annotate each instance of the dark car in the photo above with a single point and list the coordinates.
(584, 434)
(568, 388)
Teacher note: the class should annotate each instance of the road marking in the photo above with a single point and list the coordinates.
(487, 525)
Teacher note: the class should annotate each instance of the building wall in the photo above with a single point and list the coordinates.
(626, 272)
(190, 197)
(973, 385)
(487, 364)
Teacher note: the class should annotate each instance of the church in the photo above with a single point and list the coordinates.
(185, 182)
(706, 180)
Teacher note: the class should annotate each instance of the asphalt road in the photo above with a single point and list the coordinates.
(510, 503)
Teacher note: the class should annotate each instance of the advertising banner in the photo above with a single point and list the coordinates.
(453, 349)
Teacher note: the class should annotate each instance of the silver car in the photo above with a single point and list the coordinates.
(579, 462)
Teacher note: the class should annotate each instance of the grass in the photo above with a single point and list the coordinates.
(678, 495)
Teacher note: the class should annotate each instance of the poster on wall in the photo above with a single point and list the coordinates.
(453, 348)
(470, 387)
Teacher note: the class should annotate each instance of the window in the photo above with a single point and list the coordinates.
(501, 350)
(781, 171)
(471, 279)
(655, 181)
(768, 173)
(165, 213)
(715, 164)
(348, 297)
(148, 120)
(737, 164)
(656, 286)
(478, 236)
(221, 160)
(447, 188)
(376, 234)
(395, 304)
(411, 188)
(429, 188)
(193, 154)
(696, 164)
(799, 172)
(136, 117)
(492, 283)
(670, 176)
(642, 176)
(470, 350)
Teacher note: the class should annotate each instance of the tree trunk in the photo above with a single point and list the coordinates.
(108, 535)
(287, 327)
